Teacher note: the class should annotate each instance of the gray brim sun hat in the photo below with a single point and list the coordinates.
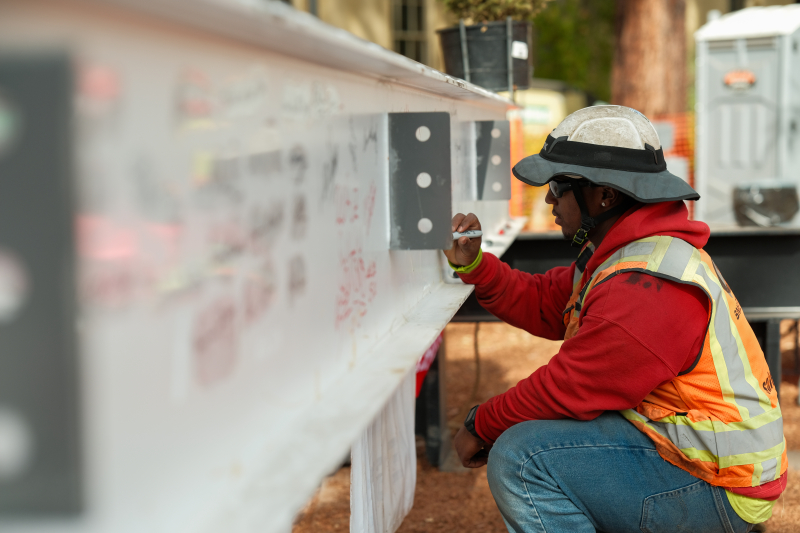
(614, 146)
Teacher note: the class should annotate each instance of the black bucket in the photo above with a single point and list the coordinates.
(487, 54)
(765, 204)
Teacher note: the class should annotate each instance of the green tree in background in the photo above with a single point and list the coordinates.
(574, 43)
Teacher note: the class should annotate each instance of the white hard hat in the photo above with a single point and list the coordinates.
(610, 145)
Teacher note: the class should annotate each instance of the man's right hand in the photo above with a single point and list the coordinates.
(472, 451)
(464, 250)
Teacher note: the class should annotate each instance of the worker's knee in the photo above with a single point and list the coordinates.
(518, 450)
(508, 454)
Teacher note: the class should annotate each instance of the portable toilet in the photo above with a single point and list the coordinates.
(748, 116)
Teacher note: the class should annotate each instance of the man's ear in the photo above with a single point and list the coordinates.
(610, 196)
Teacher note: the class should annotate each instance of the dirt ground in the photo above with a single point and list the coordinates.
(461, 501)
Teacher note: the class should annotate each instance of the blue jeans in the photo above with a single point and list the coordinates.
(603, 475)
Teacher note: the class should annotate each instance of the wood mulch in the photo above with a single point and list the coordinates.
(461, 500)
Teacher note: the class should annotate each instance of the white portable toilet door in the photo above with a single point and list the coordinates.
(743, 96)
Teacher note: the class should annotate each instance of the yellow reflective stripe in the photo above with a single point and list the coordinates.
(577, 283)
(658, 253)
(756, 480)
(632, 415)
(727, 461)
(691, 268)
(719, 359)
(654, 238)
(720, 427)
(779, 467)
(763, 399)
(723, 461)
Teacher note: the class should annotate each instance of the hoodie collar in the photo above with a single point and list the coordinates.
(670, 219)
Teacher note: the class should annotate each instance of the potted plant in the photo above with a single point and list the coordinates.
(490, 45)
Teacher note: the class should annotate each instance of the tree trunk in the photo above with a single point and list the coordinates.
(649, 71)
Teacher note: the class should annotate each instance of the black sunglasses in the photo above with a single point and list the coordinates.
(558, 188)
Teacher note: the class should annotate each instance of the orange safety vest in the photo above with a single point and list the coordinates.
(720, 420)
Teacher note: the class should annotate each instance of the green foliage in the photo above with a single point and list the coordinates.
(574, 42)
(477, 11)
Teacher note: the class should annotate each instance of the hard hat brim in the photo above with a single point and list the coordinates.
(646, 187)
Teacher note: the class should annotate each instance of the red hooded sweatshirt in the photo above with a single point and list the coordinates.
(637, 331)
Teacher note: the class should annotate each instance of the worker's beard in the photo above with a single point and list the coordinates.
(568, 235)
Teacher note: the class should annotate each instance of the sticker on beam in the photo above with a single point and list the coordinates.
(419, 176)
(493, 156)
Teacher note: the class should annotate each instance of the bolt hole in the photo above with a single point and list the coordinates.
(13, 286)
(496, 133)
(496, 160)
(16, 444)
(424, 225)
(424, 180)
(423, 134)
(496, 186)
(9, 125)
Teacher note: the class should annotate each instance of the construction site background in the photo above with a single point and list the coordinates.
(409, 27)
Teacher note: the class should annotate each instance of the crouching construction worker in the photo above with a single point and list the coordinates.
(658, 413)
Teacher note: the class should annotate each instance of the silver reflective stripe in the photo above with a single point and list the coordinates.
(638, 248)
(723, 443)
(576, 276)
(613, 258)
(691, 266)
(670, 257)
(675, 260)
(733, 377)
(769, 470)
(726, 444)
(658, 253)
